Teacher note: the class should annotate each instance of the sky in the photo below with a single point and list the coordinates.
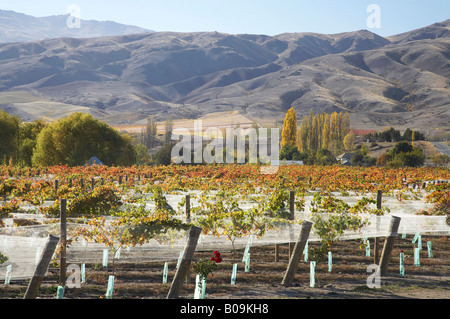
(383, 17)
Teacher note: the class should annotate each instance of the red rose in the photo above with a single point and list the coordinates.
(217, 254)
(218, 260)
(213, 259)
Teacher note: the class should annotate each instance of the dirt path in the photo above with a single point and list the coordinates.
(442, 148)
(347, 280)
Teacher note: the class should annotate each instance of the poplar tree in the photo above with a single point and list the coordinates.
(326, 132)
(289, 133)
(349, 141)
(333, 132)
(302, 139)
(323, 131)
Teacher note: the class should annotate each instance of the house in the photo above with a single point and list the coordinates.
(345, 159)
(93, 161)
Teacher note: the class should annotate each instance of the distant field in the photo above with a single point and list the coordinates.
(31, 107)
(17, 97)
(221, 120)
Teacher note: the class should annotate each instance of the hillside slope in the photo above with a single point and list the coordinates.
(402, 81)
(19, 27)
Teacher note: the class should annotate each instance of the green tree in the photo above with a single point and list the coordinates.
(142, 154)
(324, 157)
(404, 154)
(410, 135)
(168, 128)
(164, 155)
(415, 158)
(9, 137)
(290, 152)
(28, 134)
(148, 134)
(401, 147)
(75, 139)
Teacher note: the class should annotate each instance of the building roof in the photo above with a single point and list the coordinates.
(93, 161)
(345, 156)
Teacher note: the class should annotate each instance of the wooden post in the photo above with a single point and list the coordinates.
(388, 245)
(185, 262)
(297, 253)
(188, 208)
(291, 217)
(41, 268)
(56, 185)
(63, 242)
(92, 184)
(376, 241)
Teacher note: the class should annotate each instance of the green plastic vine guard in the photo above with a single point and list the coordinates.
(330, 261)
(430, 252)
(8, 274)
(416, 236)
(117, 255)
(105, 258)
(247, 248)
(203, 294)
(247, 262)
(165, 272)
(312, 274)
(200, 288)
(179, 258)
(233, 274)
(367, 245)
(110, 288)
(402, 264)
(60, 292)
(83, 273)
(417, 257)
(305, 251)
(197, 287)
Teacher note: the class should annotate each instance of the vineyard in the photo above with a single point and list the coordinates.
(131, 225)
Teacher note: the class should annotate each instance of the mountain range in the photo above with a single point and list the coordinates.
(20, 27)
(401, 81)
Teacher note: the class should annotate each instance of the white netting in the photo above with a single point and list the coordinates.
(23, 245)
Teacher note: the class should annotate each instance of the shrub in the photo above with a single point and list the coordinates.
(289, 152)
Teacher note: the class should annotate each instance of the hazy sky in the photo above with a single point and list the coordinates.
(250, 16)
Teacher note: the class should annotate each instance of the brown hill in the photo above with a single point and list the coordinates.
(401, 81)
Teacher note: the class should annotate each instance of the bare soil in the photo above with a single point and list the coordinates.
(347, 280)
